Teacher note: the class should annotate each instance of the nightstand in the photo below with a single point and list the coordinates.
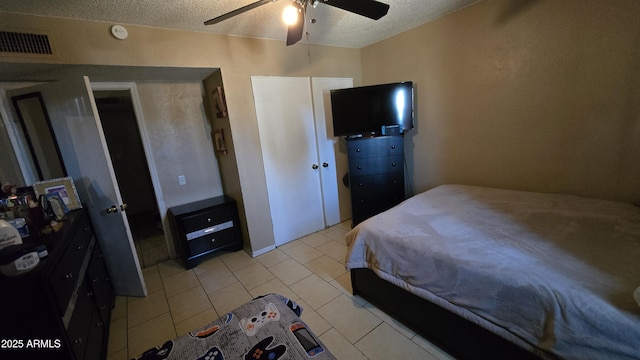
(204, 227)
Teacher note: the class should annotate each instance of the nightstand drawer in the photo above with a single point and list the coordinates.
(206, 220)
(211, 241)
(209, 230)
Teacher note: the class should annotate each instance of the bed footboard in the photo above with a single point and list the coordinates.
(455, 335)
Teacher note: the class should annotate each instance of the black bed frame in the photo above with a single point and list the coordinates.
(457, 336)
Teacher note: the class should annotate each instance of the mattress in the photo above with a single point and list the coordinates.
(554, 274)
(267, 327)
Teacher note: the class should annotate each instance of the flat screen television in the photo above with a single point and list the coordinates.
(365, 110)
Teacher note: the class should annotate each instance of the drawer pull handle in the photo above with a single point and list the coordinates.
(393, 164)
(393, 147)
(213, 240)
(79, 247)
(77, 341)
(99, 324)
(359, 167)
(68, 276)
(358, 150)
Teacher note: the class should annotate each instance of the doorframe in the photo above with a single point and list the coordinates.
(137, 110)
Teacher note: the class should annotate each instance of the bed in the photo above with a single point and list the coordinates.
(268, 327)
(493, 273)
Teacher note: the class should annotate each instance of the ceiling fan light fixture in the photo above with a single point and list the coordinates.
(290, 14)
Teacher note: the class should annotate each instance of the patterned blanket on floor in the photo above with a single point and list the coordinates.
(268, 327)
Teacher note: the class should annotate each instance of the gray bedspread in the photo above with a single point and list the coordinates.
(552, 273)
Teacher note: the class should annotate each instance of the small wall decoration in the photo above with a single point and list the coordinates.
(219, 102)
(64, 187)
(218, 139)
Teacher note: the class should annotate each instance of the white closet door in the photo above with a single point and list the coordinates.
(286, 128)
(333, 159)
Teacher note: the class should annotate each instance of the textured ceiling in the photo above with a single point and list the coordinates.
(333, 26)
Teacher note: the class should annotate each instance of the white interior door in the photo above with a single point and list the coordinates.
(76, 124)
(288, 141)
(333, 159)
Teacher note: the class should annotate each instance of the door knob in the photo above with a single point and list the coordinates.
(314, 167)
(325, 164)
(112, 209)
(123, 207)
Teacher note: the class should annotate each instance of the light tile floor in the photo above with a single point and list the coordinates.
(309, 271)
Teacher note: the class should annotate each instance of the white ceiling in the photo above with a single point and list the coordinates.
(333, 26)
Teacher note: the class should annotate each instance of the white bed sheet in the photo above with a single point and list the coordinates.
(548, 272)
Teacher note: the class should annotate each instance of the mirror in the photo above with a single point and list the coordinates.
(38, 134)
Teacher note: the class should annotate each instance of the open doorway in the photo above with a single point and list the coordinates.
(122, 134)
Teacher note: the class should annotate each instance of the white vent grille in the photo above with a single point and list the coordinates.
(24, 43)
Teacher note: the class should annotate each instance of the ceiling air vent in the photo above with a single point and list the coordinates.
(24, 43)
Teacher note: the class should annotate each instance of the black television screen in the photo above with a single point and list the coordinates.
(366, 109)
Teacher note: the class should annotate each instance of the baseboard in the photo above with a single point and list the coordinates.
(263, 250)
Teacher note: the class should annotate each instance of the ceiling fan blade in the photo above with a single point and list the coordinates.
(238, 11)
(368, 8)
(294, 32)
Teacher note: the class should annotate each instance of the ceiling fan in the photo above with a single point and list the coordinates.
(294, 15)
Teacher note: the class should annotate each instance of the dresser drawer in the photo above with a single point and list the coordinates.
(96, 339)
(100, 284)
(206, 220)
(212, 241)
(378, 165)
(64, 276)
(375, 147)
(380, 200)
(393, 182)
(366, 206)
(79, 325)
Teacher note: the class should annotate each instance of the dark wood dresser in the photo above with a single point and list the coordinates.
(60, 309)
(376, 175)
(204, 227)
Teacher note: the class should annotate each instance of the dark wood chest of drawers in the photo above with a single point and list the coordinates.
(376, 175)
(203, 227)
(60, 309)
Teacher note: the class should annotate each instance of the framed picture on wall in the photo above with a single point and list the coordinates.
(63, 187)
(218, 139)
(219, 102)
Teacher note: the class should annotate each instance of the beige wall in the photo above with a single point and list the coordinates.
(535, 95)
(82, 42)
(180, 141)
